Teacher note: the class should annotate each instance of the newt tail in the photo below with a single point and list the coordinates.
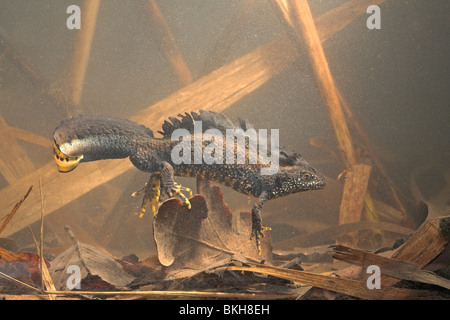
(89, 138)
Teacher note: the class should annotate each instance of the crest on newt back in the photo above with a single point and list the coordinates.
(294, 174)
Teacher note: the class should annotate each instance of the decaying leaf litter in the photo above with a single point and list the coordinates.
(211, 264)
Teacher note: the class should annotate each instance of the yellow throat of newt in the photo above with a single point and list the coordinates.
(65, 163)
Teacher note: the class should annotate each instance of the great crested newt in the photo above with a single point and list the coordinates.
(86, 138)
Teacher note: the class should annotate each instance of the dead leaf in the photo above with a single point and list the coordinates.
(191, 241)
(391, 267)
(21, 265)
(97, 269)
(349, 287)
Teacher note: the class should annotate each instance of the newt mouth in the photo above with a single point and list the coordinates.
(65, 163)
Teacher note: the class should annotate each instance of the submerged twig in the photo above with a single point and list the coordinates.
(82, 50)
(45, 274)
(20, 282)
(425, 244)
(161, 31)
(303, 24)
(41, 242)
(373, 157)
(9, 216)
(349, 287)
(391, 267)
(298, 15)
(192, 294)
(329, 235)
(46, 280)
(26, 67)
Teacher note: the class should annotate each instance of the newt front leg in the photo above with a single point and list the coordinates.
(257, 228)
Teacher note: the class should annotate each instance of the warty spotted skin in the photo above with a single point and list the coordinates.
(91, 138)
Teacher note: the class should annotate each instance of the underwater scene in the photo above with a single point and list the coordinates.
(240, 149)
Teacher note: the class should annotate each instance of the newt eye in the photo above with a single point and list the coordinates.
(306, 176)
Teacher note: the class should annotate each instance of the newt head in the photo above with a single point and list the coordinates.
(296, 175)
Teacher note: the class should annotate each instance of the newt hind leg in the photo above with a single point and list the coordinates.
(152, 193)
(160, 185)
